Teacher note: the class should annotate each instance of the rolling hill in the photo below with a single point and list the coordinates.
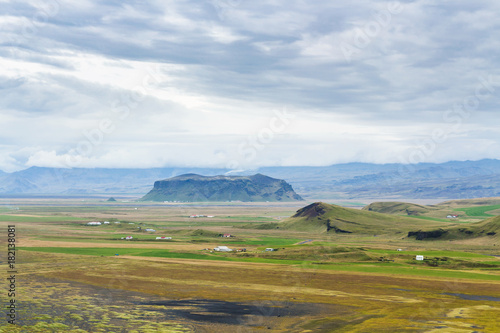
(488, 228)
(398, 208)
(322, 217)
(465, 210)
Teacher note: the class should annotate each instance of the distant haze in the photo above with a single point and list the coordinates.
(450, 180)
(239, 84)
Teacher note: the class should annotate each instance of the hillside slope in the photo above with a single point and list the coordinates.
(489, 228)
(323, 217)
(196, 188)
(397, 208)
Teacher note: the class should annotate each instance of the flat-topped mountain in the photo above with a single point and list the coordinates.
(196, 188)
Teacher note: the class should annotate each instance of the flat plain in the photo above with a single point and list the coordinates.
(78, 278)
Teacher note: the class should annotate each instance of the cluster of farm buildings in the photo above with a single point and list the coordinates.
(223, 248)
(157, 238)
(99, 223)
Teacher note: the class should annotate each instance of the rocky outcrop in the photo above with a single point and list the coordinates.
(196, 188)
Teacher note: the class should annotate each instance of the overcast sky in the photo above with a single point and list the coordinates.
(240, 83)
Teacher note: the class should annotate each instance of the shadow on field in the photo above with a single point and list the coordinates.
(233, 313)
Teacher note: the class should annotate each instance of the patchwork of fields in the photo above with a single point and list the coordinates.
(78, 278)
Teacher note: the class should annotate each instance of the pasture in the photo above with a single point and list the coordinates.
(78, 278)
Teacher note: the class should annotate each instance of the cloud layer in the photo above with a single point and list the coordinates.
(239, 84)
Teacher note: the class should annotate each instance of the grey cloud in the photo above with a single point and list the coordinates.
(239, 55)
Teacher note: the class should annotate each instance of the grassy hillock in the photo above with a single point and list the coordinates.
(322, 217)
(465, 210)
(486, 228)
(489, 227)
(398, 208)
(471, 202)
(205, 233)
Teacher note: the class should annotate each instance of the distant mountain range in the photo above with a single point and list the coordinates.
(196, 188)
(451, 180)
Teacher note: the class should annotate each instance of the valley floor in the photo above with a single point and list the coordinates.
(74, 278)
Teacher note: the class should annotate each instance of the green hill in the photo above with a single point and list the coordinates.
(486, 228)
(490, 225)
(323, 217)
(471, 202)
(397, 208)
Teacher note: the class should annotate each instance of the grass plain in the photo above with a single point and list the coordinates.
(77, 278)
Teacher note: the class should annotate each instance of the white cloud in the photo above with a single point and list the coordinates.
(193, 83)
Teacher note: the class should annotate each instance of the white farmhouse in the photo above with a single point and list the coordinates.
(93, 223)
(222, 248)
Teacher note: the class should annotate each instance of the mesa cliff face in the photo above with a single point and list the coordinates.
(196, 188)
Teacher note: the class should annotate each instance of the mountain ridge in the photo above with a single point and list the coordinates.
(449, 180)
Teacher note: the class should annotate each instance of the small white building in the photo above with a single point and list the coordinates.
(150, 230)
(419, 257)
(400, 249)
(93, 223)
(129, 237)
(106, 222)
(222, 248)
(163, 238)
(269, 249)
(117, 222)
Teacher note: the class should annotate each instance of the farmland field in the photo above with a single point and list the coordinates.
(480, 211)
(77, 278)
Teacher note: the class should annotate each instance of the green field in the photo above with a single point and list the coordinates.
(451, 254)
(479, 211)
(264, 241)
(371, 267)
(437, 219)
(397, 269)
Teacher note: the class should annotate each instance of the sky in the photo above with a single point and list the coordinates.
(240, 84)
